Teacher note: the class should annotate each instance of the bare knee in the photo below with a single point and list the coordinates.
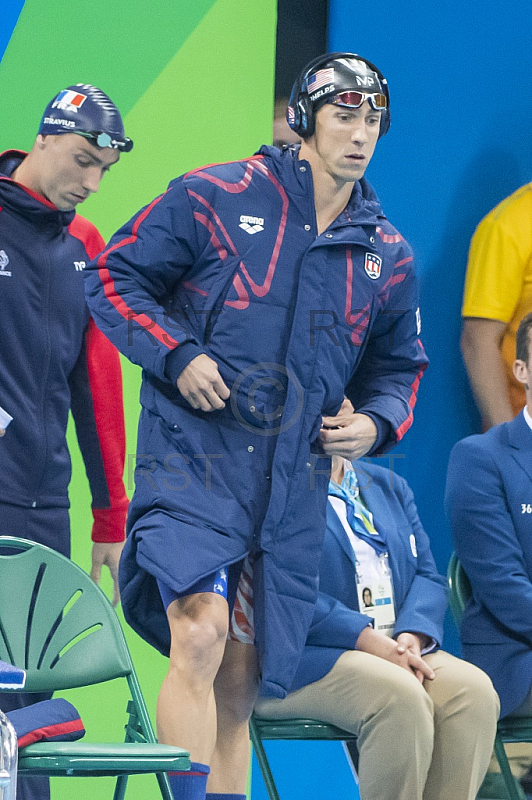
(198, 629)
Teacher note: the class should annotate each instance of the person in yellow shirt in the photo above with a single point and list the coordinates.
(497, 295)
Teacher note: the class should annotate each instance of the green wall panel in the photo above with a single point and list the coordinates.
(194, 81)
(211, 102)
(119, 47)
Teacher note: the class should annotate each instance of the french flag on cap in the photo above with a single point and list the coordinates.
(69, 100)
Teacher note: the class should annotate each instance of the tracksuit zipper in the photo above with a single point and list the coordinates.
(44, 383)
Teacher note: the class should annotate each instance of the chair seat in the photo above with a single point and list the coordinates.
(86, 758)
(299, 729)
(515, 729)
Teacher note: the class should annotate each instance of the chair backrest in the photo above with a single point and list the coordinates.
(459, 588)
(55, 622)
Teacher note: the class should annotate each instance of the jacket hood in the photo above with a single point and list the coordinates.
(285, 163)
(22, 200)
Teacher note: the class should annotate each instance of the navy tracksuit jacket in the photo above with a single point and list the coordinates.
(52, 359)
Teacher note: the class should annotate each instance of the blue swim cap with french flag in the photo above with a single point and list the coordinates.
(89, 112)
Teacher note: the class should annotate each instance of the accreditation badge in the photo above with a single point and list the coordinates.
(375, 596)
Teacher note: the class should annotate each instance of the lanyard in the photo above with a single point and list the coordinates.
(358, 516)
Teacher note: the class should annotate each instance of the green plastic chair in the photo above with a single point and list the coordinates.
(295, 729)
(510, 729)
(60, 627)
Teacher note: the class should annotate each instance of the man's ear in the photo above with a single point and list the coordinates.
(520, 370)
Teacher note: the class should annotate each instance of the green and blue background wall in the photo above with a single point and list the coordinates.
(194, 80)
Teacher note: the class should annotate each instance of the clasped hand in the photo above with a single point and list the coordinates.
(405, 651)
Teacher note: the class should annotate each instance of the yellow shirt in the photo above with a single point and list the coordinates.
(498, 281)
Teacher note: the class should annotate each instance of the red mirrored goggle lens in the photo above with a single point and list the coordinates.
(356, 99)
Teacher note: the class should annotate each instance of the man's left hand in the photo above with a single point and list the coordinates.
(107, 554)
(348, 435)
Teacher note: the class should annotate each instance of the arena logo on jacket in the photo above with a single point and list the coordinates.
(373, 266)
(251, 224)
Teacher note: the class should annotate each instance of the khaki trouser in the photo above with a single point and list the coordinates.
(430, 742)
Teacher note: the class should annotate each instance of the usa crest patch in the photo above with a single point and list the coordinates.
(373, 265)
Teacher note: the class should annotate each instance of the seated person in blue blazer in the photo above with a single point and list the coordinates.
(425, 720)
(489, 502)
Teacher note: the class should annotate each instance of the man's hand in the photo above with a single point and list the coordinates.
(201, 384)
(348, 434)
(413, 643)
(406, 653)
(2, 431)
(343, 417)
(108, 554)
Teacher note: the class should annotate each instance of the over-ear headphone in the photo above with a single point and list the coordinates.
(301, 111)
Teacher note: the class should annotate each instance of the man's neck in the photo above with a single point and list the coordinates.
(22, 174)
(330, 196)
(329, 200)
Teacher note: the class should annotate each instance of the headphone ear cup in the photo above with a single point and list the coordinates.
(306, 113)
(303, 115)
(303, 122)
(296, 124)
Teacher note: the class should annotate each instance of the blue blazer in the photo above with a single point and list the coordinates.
(489, 502)
(420, 593)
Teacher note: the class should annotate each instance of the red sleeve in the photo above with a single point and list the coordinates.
(105, 382)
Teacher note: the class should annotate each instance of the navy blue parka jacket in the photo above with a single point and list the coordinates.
(228, 262)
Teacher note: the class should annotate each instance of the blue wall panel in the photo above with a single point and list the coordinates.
(460, 141)
(9, 14)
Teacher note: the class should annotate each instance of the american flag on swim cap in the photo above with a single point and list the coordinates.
(291, 115)
(322, 77)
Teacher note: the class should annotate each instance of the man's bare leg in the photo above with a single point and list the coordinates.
(235, 689)
(186, 708)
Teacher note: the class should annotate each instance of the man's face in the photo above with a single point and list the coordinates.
(344, 140)
(71, 168)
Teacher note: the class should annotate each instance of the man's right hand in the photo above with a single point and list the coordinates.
(371, 641)
(201, 384)
(2, 431)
